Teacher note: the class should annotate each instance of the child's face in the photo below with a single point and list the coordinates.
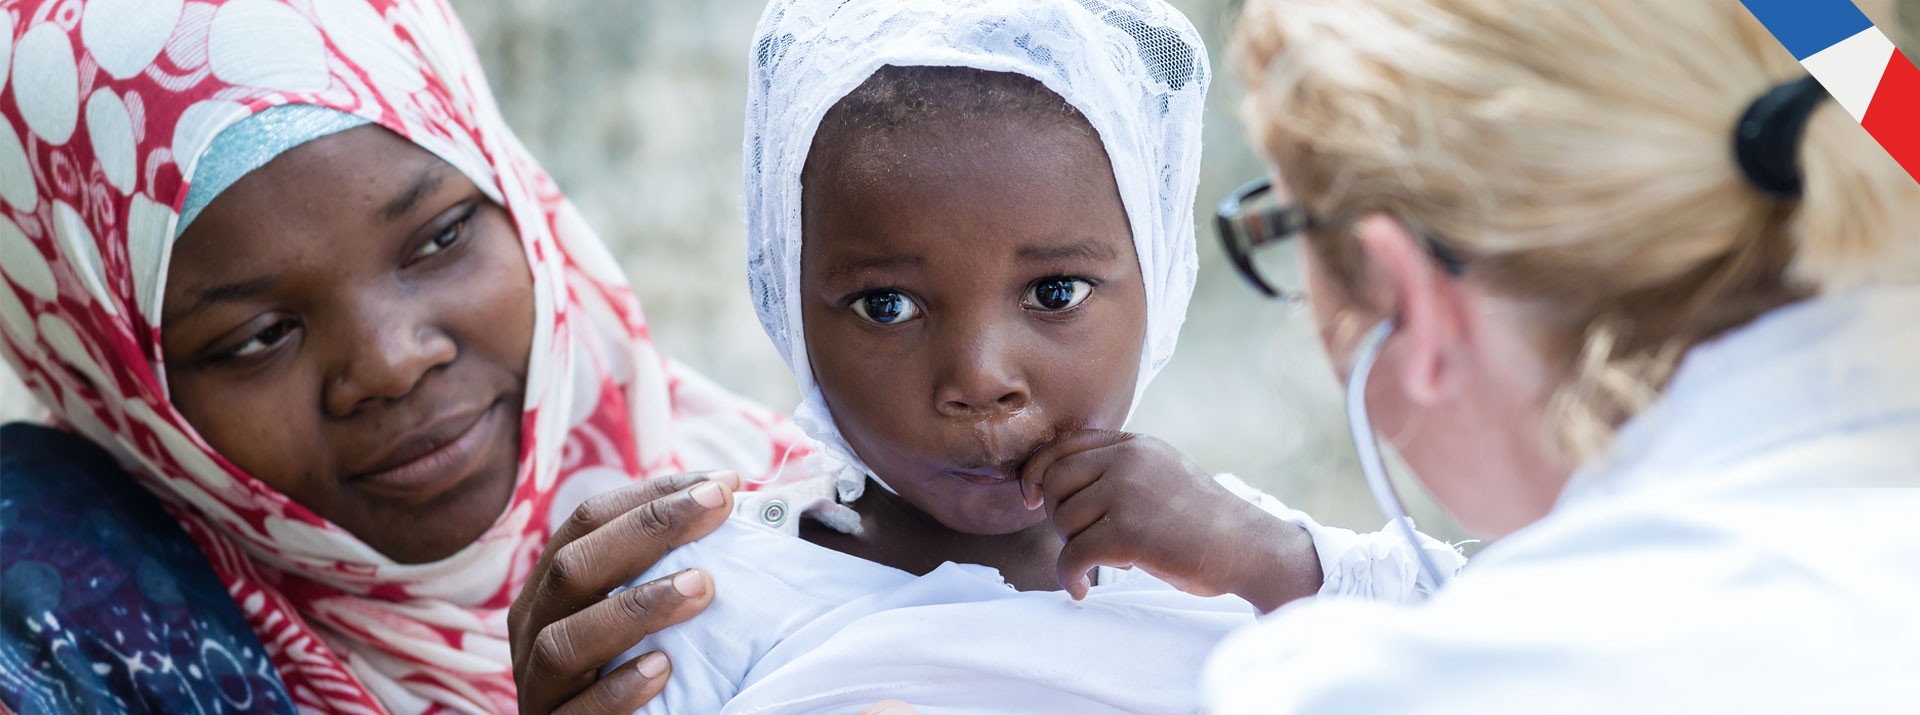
(969, 289)
(350, 324)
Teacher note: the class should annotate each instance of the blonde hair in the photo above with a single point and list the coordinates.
(1580, 155)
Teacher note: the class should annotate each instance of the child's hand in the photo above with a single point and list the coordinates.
(1124, 500)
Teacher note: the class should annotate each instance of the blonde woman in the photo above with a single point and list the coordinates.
(1668, 368)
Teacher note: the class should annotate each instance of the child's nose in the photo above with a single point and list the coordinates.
(384, 360)
(982, 378)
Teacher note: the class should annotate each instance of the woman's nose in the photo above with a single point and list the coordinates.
(982, 376)
(385, 360)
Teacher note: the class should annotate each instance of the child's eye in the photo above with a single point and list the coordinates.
(261, 342)
(443, 240)
(885, 308)
(1056, 294)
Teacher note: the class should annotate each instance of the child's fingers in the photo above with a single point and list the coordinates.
(1076, 472)
(1081, 555)
(1073, 516)
(1034, 475)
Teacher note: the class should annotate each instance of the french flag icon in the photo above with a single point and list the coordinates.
(1857, 64)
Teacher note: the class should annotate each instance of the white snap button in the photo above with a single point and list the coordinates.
(774, 513)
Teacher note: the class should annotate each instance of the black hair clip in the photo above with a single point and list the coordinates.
(1767, 140)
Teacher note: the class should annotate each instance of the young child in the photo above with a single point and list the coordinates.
(971, 236)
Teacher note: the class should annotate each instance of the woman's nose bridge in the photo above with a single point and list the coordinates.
(387, 349)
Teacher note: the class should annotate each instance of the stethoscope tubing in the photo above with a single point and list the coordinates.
(1367, 443)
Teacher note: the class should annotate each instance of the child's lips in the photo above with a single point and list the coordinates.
(993, 474)
(998, 456)
(986, 479)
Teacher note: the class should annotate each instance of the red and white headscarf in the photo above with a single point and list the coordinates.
(107, 105)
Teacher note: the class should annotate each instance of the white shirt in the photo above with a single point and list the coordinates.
(1750, 545)
(799, 628)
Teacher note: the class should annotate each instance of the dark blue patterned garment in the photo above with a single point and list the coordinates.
(107, 605)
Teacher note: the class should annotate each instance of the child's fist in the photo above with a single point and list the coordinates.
(1124, 500)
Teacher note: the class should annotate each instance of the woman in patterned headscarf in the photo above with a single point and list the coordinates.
(285, 264)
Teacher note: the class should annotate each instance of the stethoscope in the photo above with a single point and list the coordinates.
(1367, 443)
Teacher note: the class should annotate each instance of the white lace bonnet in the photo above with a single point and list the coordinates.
(1136, 69)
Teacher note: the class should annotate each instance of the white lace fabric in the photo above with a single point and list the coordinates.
(1136, 69)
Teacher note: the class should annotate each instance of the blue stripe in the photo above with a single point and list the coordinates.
(1808, 26)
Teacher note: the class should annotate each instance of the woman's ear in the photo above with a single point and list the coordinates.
(1405, 280)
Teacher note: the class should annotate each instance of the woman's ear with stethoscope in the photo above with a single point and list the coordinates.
(1399, 280)
(1442, 368)
(1409, 299)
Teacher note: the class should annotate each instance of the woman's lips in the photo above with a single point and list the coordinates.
(433, 459)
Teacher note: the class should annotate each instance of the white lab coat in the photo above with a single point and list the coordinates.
(1751, 544)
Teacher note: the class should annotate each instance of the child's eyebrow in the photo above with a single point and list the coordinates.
(873, 263)
(1087, 250)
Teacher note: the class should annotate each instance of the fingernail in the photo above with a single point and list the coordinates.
(652, 665)
(690, 583)
(728, 479)
(710, 495)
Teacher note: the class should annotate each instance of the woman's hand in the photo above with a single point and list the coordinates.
(564, 627)
(1123, 500)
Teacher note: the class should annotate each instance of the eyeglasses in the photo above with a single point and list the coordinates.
(1258, 231)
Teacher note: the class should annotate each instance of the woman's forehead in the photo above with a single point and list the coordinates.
(363, 180)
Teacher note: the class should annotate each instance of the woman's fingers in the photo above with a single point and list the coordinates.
(622, 690)
(583, 571)
(597, 511)
(588, 518)
(563, 627)
(577, 646)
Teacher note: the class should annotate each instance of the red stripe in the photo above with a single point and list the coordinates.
(1894, 115)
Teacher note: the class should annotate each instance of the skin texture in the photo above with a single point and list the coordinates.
(971, 299)
(353, 304)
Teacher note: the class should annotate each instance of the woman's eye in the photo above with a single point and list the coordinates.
(885, 308)
(1055, 294)
(443, 240)
(262, 341)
